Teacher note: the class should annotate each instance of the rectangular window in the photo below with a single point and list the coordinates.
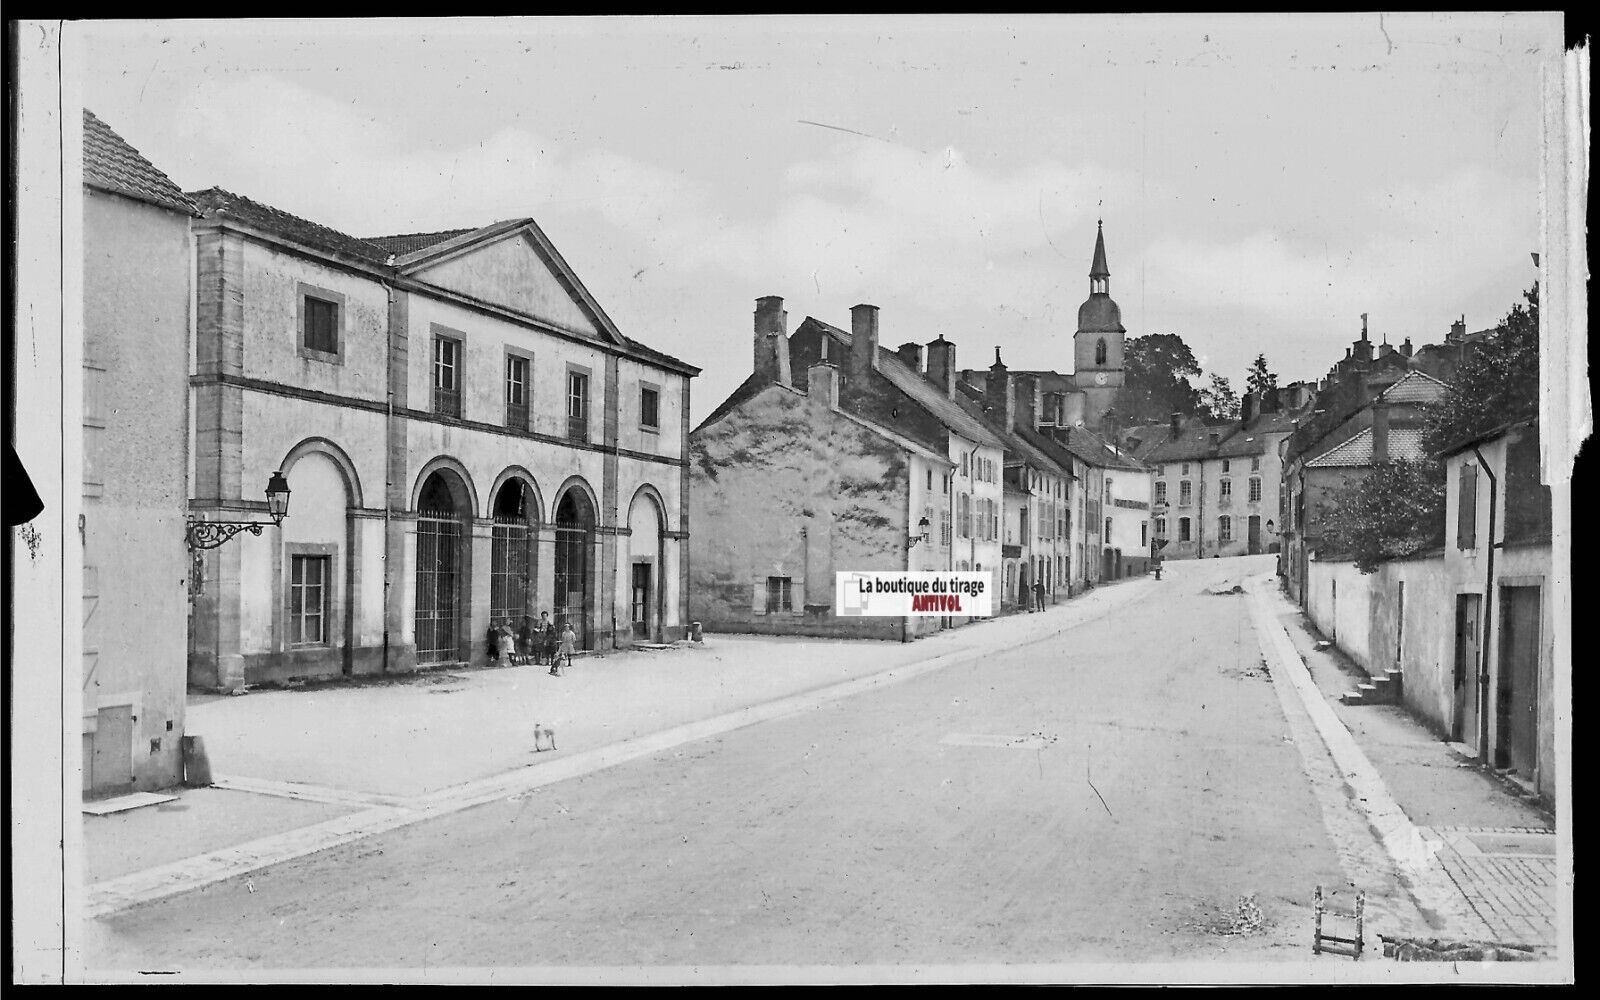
(322, 325)
(308, 600)
(1108, 530)
(447, 376)
(1185, 468)
(1224, 465)
(1225, 529)
(1161, 527)
(1226, 489)
(517, 392)
(1144, 533)
(649, 408)
(1183, 529)
(1255, 489)
(1184, 493)
(1108, 491)
(578, 405)
(780, 595)
(930, 480)
(1161, 492)
(1255, 463)
(1467, 508)
(944, 527)
(965, 458)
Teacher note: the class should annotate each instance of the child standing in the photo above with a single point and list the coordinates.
(563, 657)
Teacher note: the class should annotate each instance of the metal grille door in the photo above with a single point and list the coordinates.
(512, 571)
(438, 588)
(572, 581)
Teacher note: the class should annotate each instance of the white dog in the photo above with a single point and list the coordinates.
(542, 732)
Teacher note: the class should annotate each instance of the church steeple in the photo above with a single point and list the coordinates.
(1099, 273)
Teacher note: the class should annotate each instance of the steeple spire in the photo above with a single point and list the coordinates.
(1099, 273)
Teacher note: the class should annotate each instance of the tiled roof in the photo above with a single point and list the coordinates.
(110, 164)
(217, 202)
(944, 409)
(1414, 387)
(1404, 443)
(412, 242)
(1192, 443)
(1092, 448)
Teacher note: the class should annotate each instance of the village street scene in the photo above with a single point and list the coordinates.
(459, 498)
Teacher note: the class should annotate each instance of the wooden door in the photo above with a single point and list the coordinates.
(1465, 723)
(1517, 738)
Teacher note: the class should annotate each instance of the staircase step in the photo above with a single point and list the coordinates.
(1352, 698)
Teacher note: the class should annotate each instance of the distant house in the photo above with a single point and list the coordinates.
(826, 459)
(468, 438)
(136, 312)
(1386, 428)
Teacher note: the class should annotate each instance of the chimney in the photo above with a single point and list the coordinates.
(772, 340)
(822, 382)
(998, 398)
(1458, 330)
(1030, 401)
(942, 364)
(1269, 400)
(911, 354)
(863, 342)
(1072, 410)
(1405, 347)
(1177, 424)
(1380, 432)
(1247, 407)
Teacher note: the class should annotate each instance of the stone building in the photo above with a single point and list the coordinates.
(468, 437)
(136, 314)
(827, 459)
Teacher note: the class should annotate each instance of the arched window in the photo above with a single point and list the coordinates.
(1100, 351)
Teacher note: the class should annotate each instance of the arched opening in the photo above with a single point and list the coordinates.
(647, 566)
(1100, 351)
(512, 554)
(574, 542)
(441, 573)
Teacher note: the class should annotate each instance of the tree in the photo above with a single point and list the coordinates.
(1259, 380)
(1218, 401)
(1396, 510)
(1156, 373)
(1498, 382)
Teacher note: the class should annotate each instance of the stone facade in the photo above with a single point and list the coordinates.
(465, 434)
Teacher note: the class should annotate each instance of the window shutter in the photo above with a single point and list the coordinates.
(758, 597)
(1467, 508)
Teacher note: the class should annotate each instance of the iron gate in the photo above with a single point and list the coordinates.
(510, 579)
(571, 595)
(438, 587)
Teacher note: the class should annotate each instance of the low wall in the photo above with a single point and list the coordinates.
(1379, 629)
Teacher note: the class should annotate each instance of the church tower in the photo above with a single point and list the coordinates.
(1097, 346)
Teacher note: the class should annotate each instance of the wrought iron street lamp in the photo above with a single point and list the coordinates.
(210, 534)
(914, 539)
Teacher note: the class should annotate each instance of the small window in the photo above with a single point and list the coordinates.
(322, 325)
(1185, 469)
(1255, 464)
(1144, 533)
(1225, 528)
(517, 392)
(1183, 529)
(1226, 488)
(1255, 489)
(578, 405)
(930, 480)
(649, 408)
(1108, 529)
(780, 595)
(1225, 465)
(1467, 508)
(308, 600)
(447, 376)
(1161, 527)
(1100, 351)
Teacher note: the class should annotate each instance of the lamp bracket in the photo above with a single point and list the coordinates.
(211, 534)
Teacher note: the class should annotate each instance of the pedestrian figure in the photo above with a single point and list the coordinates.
(563, 657)
(1158, 569)
(524, 640)
(492, 644)
(544, 639)
(1038, 595)
(505, 648)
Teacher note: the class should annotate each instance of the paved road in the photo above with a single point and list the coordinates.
(1161, 786)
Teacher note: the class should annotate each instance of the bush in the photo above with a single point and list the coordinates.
(1396, 510)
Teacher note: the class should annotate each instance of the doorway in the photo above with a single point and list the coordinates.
(640, 614)
(1464, 725)
(1517, 701)
(1254, 530)
(574, 540)
(440, 551)
(108, 751)
(511, 554)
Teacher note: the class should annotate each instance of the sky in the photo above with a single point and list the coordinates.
(1263, 180)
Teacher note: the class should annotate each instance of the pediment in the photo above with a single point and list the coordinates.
(514, 273)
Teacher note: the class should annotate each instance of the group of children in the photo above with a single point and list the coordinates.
(538, 641)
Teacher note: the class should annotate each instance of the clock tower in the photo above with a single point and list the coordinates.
(1097, 346)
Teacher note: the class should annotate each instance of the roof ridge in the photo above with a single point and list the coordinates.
(431, 232)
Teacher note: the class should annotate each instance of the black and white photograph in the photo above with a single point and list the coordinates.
(777, 499)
